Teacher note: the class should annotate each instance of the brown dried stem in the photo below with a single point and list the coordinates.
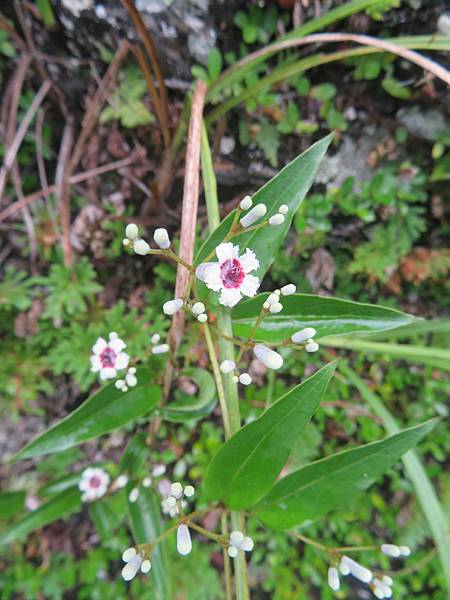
(62, 183)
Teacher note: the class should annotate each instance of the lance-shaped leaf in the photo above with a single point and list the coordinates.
(145, 520)
(329, 316)
(249, 462)
(103, 412)
(194, 406)
(135, 455)
(289, 187)
(11, 503)
(330, 483)
(65, 503)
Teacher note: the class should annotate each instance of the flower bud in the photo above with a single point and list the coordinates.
(198, 309)
(304, 334)
(128, 554)
(141, 247)
(270, 358)
(232, 551)
(256, 213)
(161, 238)
(176, 490)
(276, 307)
(227, 366)
(277, 219)
(333, 579)
(189, 491)
(131, 231)
(172, 306)
(146, 566)
(202, 318)
(390, 550)
(184, 542)
(133, 495)
(245, 203)
(357, 570)
(155, 338)
(311, 346)
(161, 349)
(289, 289)
(284, 209)
(245, 379)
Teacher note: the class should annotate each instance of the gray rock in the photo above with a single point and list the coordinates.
(424, 124)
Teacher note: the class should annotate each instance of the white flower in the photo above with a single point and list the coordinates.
(198, 308)
(107, 357)
(245, 379)
(304, 334)
(357, 570)
(311, 346)
(184, 542)
(284, 209)
(155, 338)
(277, 219)
(132, 231)
(238, 541)
(230, 275)
(275, 308)
(94, 483)
(161, 349)
(202, 318)
(141, 247)
(256, 213)
(227, 366)
(133, 562)
(161, 238)
(288, 289)
(245, 203)
(268, 357)
(172, 306)
(133, 495)
(333, 579)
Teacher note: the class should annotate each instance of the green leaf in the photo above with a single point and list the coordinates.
(289, 186)
(199, 405)
(102, 413)
(11, 503)
(425, 492)
(46, 11)
(396, 89)
(330, 483)
(107, 515)
(60, 485)
(323, 91)
(145, 520)
(249, 462)
(135, 455)
(214, 63)
(329, 316)
(65, 503)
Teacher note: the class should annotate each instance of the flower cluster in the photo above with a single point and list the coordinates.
(199, 311)
(107, 357)
(239, 542)
(158, 348)
(157, 471)
(139, 245)
(135, 561)
(306, 335)
(93, 484)
(129, 381)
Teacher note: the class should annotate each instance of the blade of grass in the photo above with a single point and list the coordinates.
(426, 495)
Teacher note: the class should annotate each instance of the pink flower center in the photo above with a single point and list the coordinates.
(231, 273)
(95, 482)
(108, 357)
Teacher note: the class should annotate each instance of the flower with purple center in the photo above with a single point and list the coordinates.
(230, 275)
(94, 484)
(107, 357)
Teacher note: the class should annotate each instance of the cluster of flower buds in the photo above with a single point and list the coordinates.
(199, 311)
(273, 302)
(139, 245)
(239, 542)
(108, 357)
(278, 218)
(395, 551)
(135, 561)
(157, 471)
(306, 336)
(93, 484)
(229, 366)
(158, 348)
(129, 381)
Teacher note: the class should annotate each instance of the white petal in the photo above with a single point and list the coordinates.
(249, 261)
(122, 481)
(117, 345)
(212, 278)
(250, 285)
(132, 567)
(230, 296)
(226, 251)
(96, 363)
(122, 360)
(99, 346)
(108, 373)
(201, 270)
(184, 542)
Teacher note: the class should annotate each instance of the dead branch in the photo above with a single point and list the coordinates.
(62, 183)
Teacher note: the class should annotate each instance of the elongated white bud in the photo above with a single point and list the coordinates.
(405, 550)
(128, 554)
(227, 366)
(272, 298)
(132, 231)
(284, 209)
(357, 570)
(311, 346)
(289, 289)
(344, 568)
(132, 567)
(141, 247)
(333, 579)
(383, 587)
(146, 566)
(198, 308)
(133, 495)
(155, 338)
(122, 481)
(161, 349)
(176, 490)
(184, 542)
(304, 334)
(172, 306)
(387, 580)
(245, 379)
(256, 213)
(158, 470)
(276, 307)
(245, 203)
(268, 357)
(390, 550)
(277, 219)
(161, 238)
